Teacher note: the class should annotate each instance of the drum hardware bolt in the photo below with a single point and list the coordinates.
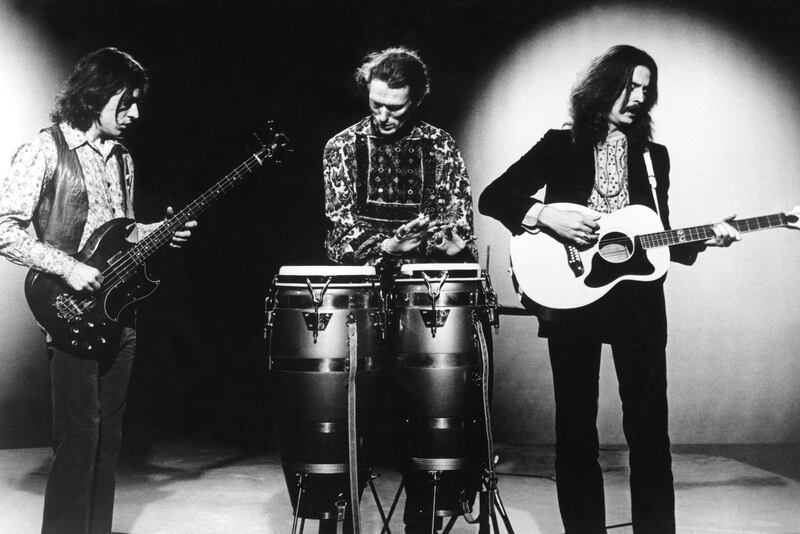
(269, 308)
(434, 295)
(317, 301)
(341, 506)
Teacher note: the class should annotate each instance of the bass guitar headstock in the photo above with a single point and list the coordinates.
(271, 145)
(793, 218)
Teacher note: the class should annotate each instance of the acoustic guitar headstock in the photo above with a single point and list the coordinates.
(793, 218)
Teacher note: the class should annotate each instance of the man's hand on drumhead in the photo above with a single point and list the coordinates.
(409, 236)
(448, 241)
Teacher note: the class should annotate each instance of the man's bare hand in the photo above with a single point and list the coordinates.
(181, 237)
(573, 226)
(448, 241)
(409, 236)
(84, 278)
(724, 233)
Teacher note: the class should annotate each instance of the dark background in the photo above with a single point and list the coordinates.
(218, 72)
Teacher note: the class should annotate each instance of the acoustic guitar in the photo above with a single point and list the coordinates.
(632, 245)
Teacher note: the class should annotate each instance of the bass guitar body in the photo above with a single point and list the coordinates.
(88, 324)
(559, 275)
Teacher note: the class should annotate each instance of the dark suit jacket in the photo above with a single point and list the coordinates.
(568, 171)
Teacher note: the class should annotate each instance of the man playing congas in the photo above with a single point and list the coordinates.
(396, 189)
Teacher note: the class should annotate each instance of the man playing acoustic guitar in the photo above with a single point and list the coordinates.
(601, 162)
(68, 181)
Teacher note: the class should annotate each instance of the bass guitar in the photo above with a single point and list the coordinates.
(632, 245)
(88, 324)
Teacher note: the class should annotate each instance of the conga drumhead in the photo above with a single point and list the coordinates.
(326, 270)
(437, 270)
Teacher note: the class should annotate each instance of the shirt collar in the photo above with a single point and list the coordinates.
(364, 127)
(76, 138)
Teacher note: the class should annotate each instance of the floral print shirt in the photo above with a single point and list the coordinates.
(610, 191)
(375, 184)
(32, 166)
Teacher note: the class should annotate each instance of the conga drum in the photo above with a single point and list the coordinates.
(438, 397)
(310, 313)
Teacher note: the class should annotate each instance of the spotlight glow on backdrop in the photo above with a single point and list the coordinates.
(727, 112)
(29, 78)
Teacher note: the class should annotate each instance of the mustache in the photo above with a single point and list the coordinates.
(634, 107)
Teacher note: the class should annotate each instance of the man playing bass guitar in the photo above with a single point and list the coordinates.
(601, 162)
(68, 181)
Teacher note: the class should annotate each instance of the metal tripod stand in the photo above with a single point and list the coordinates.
(490, 504)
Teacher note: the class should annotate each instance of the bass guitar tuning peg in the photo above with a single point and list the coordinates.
(258, 139)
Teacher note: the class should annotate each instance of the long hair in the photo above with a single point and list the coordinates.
(398, 67)
(97, 77)
(594, 95)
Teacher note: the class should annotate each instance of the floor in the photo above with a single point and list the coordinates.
(179, 486)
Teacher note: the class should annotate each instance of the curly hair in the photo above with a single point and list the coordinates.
(97, 77)
(594, 95)
(398, 67)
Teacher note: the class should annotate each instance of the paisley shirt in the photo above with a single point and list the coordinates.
(375, 184)
(32, 166)
(610, 191)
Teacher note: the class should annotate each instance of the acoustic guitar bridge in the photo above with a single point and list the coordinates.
(574, 260)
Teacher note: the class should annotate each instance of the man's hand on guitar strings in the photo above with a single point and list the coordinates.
(724, 233)
(180, 237)
(84, 278)
(573, 226)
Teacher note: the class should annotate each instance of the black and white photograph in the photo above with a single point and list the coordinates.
(425, 266)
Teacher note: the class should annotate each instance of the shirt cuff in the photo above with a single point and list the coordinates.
(531, 218)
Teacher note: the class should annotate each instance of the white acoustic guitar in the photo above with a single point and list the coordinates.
(632, 245)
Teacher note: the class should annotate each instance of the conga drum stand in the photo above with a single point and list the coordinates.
(341, 506)
(490, 503)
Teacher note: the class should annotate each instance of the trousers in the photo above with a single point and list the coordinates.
(88, 397)
(640, 365)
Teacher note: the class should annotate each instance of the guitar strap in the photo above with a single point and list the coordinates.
(651, 175)
(352, 428)
(124, 183)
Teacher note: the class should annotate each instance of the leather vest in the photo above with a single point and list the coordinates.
(60, 217)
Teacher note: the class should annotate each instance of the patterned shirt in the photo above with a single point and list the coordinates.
(610, 191)
(32, 166)
(375, 184)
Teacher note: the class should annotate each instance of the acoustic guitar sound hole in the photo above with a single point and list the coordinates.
(615, 247)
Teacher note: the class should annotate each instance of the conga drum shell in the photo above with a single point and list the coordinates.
(292, 338)
(309, 362)
(438, 391)
(414, 335)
